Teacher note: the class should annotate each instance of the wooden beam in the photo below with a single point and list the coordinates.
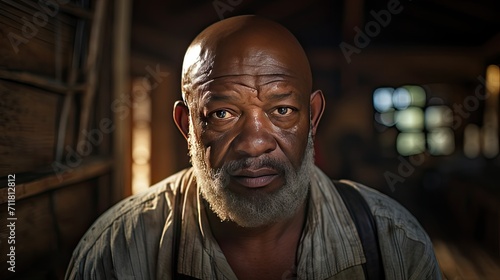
(91, 67)
(122, 186)
(40, 81)
(90, 168)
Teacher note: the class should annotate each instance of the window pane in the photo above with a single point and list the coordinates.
(417, 95)
(401, 98)
(438, 116)
(382, 99)
(441, 141)
(411, 119)
(410, 143)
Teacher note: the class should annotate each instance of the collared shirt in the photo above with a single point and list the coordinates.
(133, 240)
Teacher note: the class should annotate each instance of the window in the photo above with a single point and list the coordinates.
(420, 128)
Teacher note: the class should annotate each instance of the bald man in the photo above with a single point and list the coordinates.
(254, 205)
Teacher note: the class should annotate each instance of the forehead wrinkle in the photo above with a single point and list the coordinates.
(253, 81)
(225, 86)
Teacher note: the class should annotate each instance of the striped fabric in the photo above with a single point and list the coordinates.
(133, 240)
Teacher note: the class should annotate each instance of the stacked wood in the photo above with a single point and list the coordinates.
(55, 135)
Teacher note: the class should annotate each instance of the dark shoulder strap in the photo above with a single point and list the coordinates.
(367, 230)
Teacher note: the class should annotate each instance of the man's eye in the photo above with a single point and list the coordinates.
(221, 114)
(283, 111)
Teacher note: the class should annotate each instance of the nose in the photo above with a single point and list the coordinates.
(255, 136)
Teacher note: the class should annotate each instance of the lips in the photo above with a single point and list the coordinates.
(254, 178)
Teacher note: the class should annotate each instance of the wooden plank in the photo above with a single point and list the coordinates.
(40, 81)
(48, 228)
(35, 238)
(89, 168)
(92, 65)
(29, 42)
(28, 127)
(75, 209)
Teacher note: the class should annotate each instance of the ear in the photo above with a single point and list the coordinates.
(317, 108)
(181, 117)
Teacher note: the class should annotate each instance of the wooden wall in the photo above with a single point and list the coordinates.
(56, 129)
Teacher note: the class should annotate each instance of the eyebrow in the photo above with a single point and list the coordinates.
(279, 96)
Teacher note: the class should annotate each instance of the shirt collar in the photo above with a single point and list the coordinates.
(329, 242)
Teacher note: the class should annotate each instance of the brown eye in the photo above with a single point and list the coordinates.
(221, 114)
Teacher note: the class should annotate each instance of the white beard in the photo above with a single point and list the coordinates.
(260, 208)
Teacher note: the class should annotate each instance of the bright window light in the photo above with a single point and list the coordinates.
(438, 116)
(382, 99)
(441, 141)
(141, 135)
(411, 119)
(417, 95)
(410, 143)
(493, 79)
(401, 98)
(490, 141)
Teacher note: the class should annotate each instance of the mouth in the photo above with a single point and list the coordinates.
(255, 178)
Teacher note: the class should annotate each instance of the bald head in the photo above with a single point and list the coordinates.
(244, 45)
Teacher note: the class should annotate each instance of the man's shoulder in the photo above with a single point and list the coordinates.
(153, 204)
(404, 243)
(392, 212)
(382, 206)
(161, 192)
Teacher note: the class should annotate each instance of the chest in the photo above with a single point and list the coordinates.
(278, 263)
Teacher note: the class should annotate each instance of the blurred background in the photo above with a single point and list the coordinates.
(87, 88)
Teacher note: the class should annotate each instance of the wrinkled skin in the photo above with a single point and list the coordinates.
(255, 73)
(248, 97)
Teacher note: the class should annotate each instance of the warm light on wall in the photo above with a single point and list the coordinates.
(489, 131)
(472, 141)
(493, 79)
(141, 135)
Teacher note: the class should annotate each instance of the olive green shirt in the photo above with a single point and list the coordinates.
(133, 240)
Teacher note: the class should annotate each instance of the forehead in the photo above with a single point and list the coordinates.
(259, 86)
(253, 58)
(254, 50)
(249, 67)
